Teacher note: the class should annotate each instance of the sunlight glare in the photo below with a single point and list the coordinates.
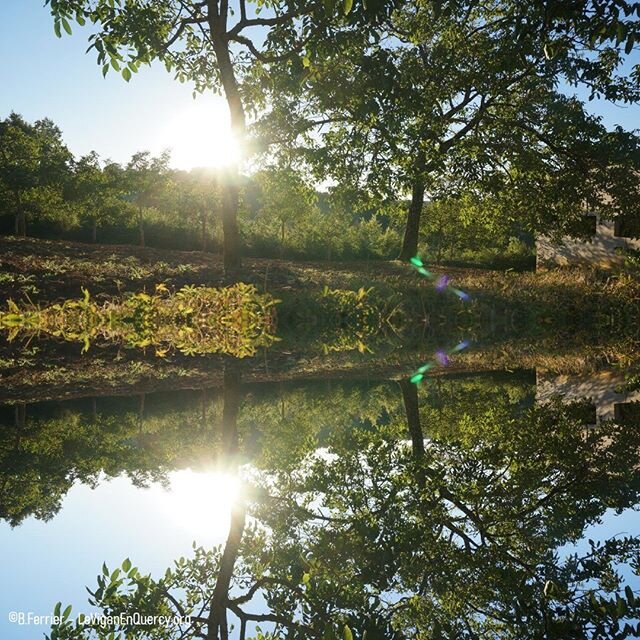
(201, 502)
(200, 136)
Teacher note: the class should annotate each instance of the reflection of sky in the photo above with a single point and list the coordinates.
(46, 562)
(612, 525)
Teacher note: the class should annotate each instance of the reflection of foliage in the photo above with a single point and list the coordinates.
(333, 320)
(194, 320)
(42, 453)
(353, 317)
(448, 537)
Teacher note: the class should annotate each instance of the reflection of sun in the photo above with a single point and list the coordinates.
(201, 136)
(200, 502)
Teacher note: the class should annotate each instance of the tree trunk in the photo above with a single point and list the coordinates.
(141, 412)
(217, 628)
(20, 413)
(412, 228)
(220, 41)
(203, 243)
(94, 232)
(230, 234)
(20, 218)
(282, 238)
(23, 223)
(141, 227)
(410, 400)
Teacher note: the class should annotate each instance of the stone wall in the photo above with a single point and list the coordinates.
(599, 251)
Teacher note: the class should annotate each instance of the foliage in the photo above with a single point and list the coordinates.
(34, 171)
(430, 106)
(194, 320)
(214, 47)
(466, 229)
(457, 537)
(45, 449)
(285, 201)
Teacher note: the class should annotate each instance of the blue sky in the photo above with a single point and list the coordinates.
(52, 561)
(42, 75)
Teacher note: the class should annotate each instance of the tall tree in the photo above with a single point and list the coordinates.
(395, 114)
(146, 180)
(34, 170)
(97, 192)
(285, 198)
(213, 43)
(196, 198)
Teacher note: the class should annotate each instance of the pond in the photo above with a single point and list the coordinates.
(491, 504)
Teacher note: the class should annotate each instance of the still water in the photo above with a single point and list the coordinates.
(468, 504)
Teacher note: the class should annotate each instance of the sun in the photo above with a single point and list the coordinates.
(201, 136)
(200, 502)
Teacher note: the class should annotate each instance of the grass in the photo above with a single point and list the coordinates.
(334, 319)
(235, 320)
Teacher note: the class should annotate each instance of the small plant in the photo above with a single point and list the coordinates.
(351, 317)
(235, 320)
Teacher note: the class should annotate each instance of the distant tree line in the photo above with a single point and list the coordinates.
(46, 192)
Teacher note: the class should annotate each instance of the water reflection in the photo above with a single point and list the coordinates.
(200, 502)
(456, 509)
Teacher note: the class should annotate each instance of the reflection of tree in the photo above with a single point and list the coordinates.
(386, 528)
(217, 622)
(43, 453)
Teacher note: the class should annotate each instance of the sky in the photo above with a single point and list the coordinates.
(44, 76)
(47, 562)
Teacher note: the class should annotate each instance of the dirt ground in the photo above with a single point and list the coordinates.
(49, 270)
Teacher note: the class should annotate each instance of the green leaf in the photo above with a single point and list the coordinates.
(346, 633)
(66, 612)
(347, 6)
(330, 6)
(56, 609)
(56, 29)
(126, 74)
(66, 25)
(630, 595)
(126, 565)
(628, 47)
(305, 578)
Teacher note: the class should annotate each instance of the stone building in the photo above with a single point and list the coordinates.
(602, 250)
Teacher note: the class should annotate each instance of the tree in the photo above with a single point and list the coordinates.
(146, 179)
(400, 113)
(98, 192)
(197, 198)
(34, 170)
(284, 198)
(214, 44)
(451, 537)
